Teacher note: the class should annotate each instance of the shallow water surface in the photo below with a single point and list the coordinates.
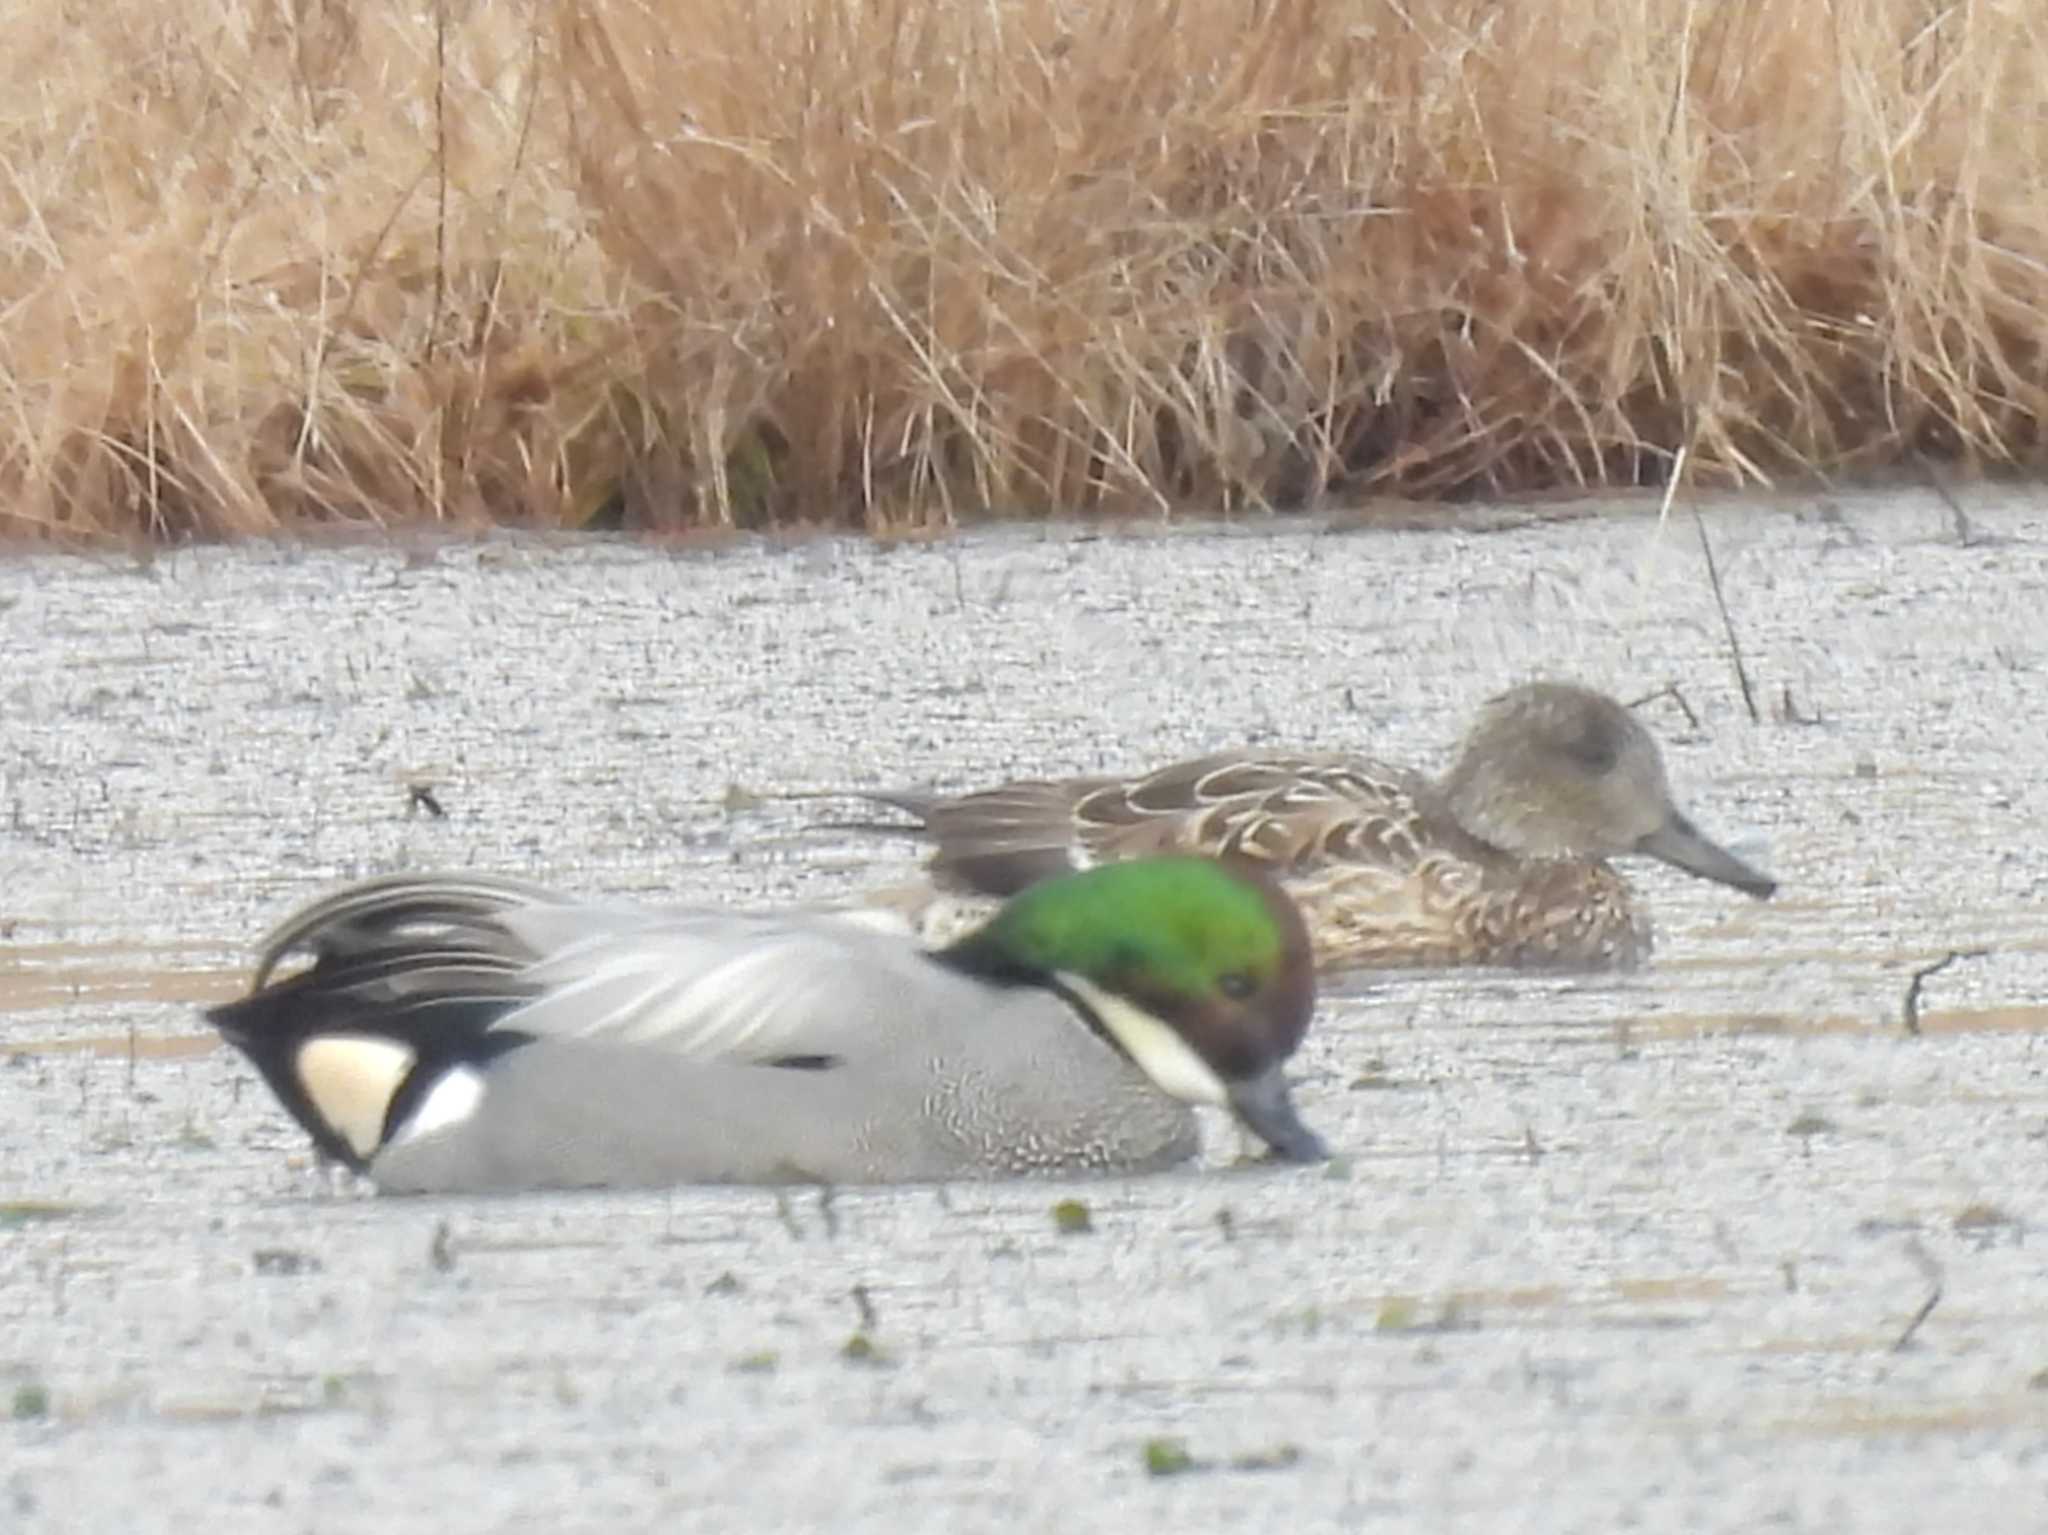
(1644, 1249)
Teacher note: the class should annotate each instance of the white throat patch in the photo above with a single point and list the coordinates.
(1154, 1044)
(453, 1099)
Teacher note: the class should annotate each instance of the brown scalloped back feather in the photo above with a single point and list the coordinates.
(1386, 877)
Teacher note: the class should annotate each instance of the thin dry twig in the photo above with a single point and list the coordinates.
(1671, 691)
(440, 175)
(1921, 976)
(1727, 623)
(1789, 712)
(1925, 1262)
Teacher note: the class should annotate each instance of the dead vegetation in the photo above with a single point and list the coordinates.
(897, 263)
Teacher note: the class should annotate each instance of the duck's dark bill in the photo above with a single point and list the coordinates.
(1679, 843)
(1266, 1107)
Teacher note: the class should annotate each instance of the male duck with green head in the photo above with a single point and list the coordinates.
(470, 1034)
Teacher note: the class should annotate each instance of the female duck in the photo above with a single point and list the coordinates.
(1501, 862)
(462, 1034)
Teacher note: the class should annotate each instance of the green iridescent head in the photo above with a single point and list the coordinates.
(1200, 969)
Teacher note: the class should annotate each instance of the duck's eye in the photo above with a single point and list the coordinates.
(1236, 985)
(1596, 746)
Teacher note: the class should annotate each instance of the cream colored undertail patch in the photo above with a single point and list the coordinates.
(350, 1079)
(1154, 1044)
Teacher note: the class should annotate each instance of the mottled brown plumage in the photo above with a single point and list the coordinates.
(1502, 862)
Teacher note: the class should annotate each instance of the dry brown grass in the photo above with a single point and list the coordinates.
(668, 263)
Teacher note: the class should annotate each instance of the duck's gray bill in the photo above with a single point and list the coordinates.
(1266, 1108)
(1679, 843)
